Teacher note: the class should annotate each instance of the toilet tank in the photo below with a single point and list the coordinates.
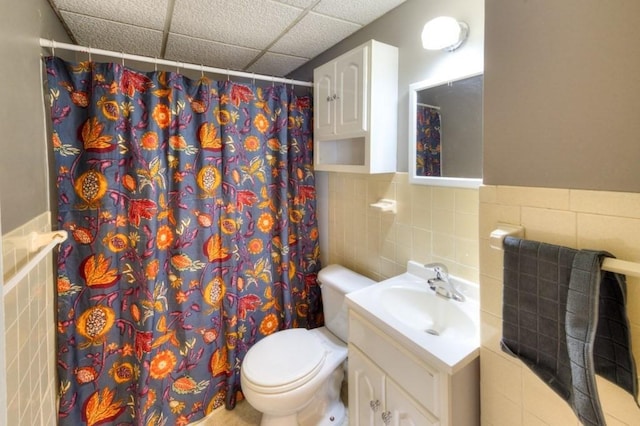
(335, 282)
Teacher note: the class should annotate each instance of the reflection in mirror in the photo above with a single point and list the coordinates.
(446, 132)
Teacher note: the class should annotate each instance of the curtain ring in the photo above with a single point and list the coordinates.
(227, 74)
(155, 63)
(202, 70)
(90, 54)
(253, 78)
(123, 58)
(53, 47)
(273, 81)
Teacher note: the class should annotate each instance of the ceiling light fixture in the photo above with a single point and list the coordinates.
(444, 33)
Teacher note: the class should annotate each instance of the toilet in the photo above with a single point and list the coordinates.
(293, 377)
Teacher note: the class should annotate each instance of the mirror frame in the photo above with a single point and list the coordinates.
(414, 88)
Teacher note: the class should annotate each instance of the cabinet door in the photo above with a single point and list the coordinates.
(366, 390)
(324, 99)
(402, 410)
(351, 80)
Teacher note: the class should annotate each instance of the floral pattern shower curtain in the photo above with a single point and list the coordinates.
(428, 141)
(191, 210)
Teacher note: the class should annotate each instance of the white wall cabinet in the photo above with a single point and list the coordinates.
(355, 111)
(390, 385)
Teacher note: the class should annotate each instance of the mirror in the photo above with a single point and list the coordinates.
(445, 131)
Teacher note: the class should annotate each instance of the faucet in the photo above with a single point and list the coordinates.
(441, 284)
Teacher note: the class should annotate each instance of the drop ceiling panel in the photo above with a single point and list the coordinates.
(313, 35)
(274, 64)
(109, 35)
(303, 4)
(264, 36)
(205, 52)
(249, 23)
(144, 13)
(358, 11)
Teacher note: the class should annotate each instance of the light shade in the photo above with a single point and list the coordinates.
(444, 33)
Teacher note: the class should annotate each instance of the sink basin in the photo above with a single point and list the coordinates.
(422, 309)
(444, 332)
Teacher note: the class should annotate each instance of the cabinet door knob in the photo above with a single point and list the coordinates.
(335, 96)
(328, 98)
(374, 405)
(386, 417)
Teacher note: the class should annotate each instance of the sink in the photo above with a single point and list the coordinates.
(443, 332)
(422, 309)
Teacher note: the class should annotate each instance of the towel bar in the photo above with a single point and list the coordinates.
(33, 242)
(609, 264)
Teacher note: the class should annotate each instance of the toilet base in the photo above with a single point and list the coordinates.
(324, 409)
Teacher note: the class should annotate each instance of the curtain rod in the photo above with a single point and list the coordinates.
(429, 106)
(90, 50)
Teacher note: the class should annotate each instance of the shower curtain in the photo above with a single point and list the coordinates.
(428, 141)
(191, 210)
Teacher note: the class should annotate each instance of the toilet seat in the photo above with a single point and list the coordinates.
(283, 361)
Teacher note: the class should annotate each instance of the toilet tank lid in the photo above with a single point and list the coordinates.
(343, 279)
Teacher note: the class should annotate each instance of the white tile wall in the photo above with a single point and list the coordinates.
(511, 394)
(30, 333)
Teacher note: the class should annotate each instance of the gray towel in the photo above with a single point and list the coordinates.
(566, 320)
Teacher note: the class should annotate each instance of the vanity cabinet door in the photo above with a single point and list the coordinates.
(366, 390)
(402, 410)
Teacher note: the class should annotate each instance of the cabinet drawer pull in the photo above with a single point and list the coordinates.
(374, 405)
(328, 98)
(386, 417)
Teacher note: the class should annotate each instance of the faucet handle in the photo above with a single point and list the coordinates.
(441, 270)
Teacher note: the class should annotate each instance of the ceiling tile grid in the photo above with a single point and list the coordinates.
(271, 37)
(145, 13)
(247, 23)
(210, 53)
(313, 35)
(112, 35)
(361, 12)
(275, 64)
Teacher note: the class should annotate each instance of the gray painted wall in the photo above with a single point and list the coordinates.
(24, 179)
(24, 182)
(562, 94)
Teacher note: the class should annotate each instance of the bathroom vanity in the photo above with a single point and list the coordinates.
(413, 355)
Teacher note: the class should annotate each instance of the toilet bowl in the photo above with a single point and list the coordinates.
(293, 377)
